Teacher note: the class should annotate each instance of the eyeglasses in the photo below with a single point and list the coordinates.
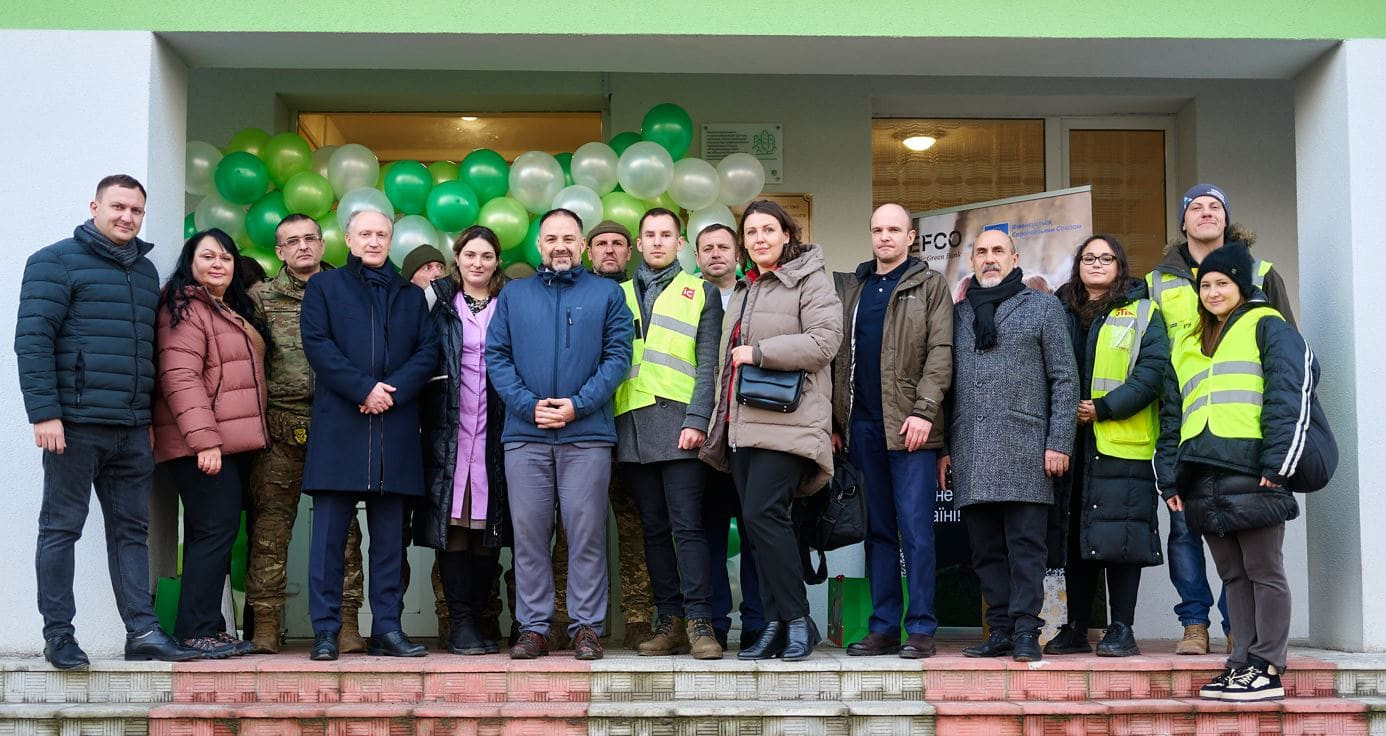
(1105, 259)
(306, 240)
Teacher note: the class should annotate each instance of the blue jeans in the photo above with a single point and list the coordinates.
(900, 492)
(1189, 574)
(120, 464)
(720, 505)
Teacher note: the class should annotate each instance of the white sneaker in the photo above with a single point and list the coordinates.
(1253, 683)
(1213, 690)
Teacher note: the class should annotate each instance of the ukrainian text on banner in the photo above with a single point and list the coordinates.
(1045, 227)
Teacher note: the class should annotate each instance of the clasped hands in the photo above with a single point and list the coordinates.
(554, 413)
(379, 400)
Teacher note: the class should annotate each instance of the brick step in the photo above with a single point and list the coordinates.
(1288, 717)
(64, 719)
(623, 678)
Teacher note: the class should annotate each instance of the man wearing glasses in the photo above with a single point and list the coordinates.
(278, 472)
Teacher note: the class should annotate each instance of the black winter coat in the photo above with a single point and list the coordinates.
(439, 418)
(84, 339)
(351, 347)
(1117, 499)
(1296, 450)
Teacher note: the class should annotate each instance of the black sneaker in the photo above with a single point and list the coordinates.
(238, 646)
(1251, 684)
(1213, 690)
(1118, 641)
(1069, 640)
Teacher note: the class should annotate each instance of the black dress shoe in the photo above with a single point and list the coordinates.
(801, 636)
(749, 637)
(1071, 639)
(62, 652)
(1025, 647)
(324, 647)
(155, 644)
(996, 645)
(1118, 641)
(395, 644)
(769, 645)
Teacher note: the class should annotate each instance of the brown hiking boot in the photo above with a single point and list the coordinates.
(668, 638)
(636, 633)
(1195, 640)
(349, 638)
(585, 644)
(702, 640)
(266, 638)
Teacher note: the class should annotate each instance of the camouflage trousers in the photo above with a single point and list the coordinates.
(274, 492)
(636, 602)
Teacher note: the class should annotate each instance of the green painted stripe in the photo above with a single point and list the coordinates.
(887, 18)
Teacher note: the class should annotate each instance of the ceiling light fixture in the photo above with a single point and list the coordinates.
(919, 142)
(469, 118)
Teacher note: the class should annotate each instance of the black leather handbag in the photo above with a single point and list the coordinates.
(766, 389)
(832, 518)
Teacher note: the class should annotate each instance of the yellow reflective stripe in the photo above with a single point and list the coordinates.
(1230, 396)
(674, 325)
(1237, 367)
(654, 357)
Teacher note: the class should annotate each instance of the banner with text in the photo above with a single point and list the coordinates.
(1046, 227)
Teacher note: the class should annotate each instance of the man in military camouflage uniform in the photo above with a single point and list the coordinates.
(609, 247)
(278, 473)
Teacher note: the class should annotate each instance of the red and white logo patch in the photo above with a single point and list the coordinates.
(688, 292)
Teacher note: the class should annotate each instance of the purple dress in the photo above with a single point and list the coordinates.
(470, 472)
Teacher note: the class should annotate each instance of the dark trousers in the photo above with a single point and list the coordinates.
(211, 521)
(1008, 554)
(900, 491)
(119, 462)
(1080, 578)
(1251, 564)
(332, 515)
(766, 481)
(670, 498)
(720, 506)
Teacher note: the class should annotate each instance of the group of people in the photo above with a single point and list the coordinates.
(468, 412)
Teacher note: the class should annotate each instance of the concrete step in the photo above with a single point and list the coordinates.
(64, 719)
(33, 680)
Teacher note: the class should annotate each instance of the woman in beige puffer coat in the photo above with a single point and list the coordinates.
(784, 316)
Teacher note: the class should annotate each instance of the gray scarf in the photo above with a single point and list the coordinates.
(125, 255)
(649, 284)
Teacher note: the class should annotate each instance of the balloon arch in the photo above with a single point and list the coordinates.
(257, 179)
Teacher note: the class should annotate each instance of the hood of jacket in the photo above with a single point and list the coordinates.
(791, 273)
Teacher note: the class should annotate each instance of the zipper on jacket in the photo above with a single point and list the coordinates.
(135, 330)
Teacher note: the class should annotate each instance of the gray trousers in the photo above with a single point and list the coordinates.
(1252, 567)
(576, 477)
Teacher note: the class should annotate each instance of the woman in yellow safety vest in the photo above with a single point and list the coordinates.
(1251, 431)
(1122, 353)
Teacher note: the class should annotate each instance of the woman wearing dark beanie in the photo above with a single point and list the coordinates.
(1251, 431)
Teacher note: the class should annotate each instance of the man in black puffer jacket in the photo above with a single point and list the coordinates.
(85, 347)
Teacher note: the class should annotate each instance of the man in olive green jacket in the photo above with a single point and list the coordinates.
(889, 379)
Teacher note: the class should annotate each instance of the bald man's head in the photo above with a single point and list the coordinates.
(892, 234)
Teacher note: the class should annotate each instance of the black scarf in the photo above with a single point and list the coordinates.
(379, 281)
(125, 255)
(984, 301)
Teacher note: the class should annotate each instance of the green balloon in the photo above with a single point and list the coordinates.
(566, 161)
(670, 126)
(507, 218)
(287, 154)
(241, 178)
(333, 239)
(264, 216)
(452, 206)
(407, 184)
(443, 171)
(528, 250)
(249, 140)
(267, 260)
(663, 200)
(622, 141)
(486, 172)
(189, 226)
(624, 209)
(733, 539)
(308, 194)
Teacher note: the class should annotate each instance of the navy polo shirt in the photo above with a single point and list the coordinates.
(876, 292)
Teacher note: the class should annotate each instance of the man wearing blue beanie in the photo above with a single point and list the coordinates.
(1206, 226)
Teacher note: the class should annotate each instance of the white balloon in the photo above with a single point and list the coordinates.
(363, 198)
(594, 166)
(645, 170)
(202, 160)
(320, 159)
(581, 201)
(351, 167)
(411, 232)
(695, 184)
(699, 219)
(216, 211)
(742, 177)
(535, 179)
(688, 258)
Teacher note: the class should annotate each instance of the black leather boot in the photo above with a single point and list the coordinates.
(483, 571)
(770, 644)
(801, 636)
(455, 569)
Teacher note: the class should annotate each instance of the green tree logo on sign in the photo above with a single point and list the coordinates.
(763, 143)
